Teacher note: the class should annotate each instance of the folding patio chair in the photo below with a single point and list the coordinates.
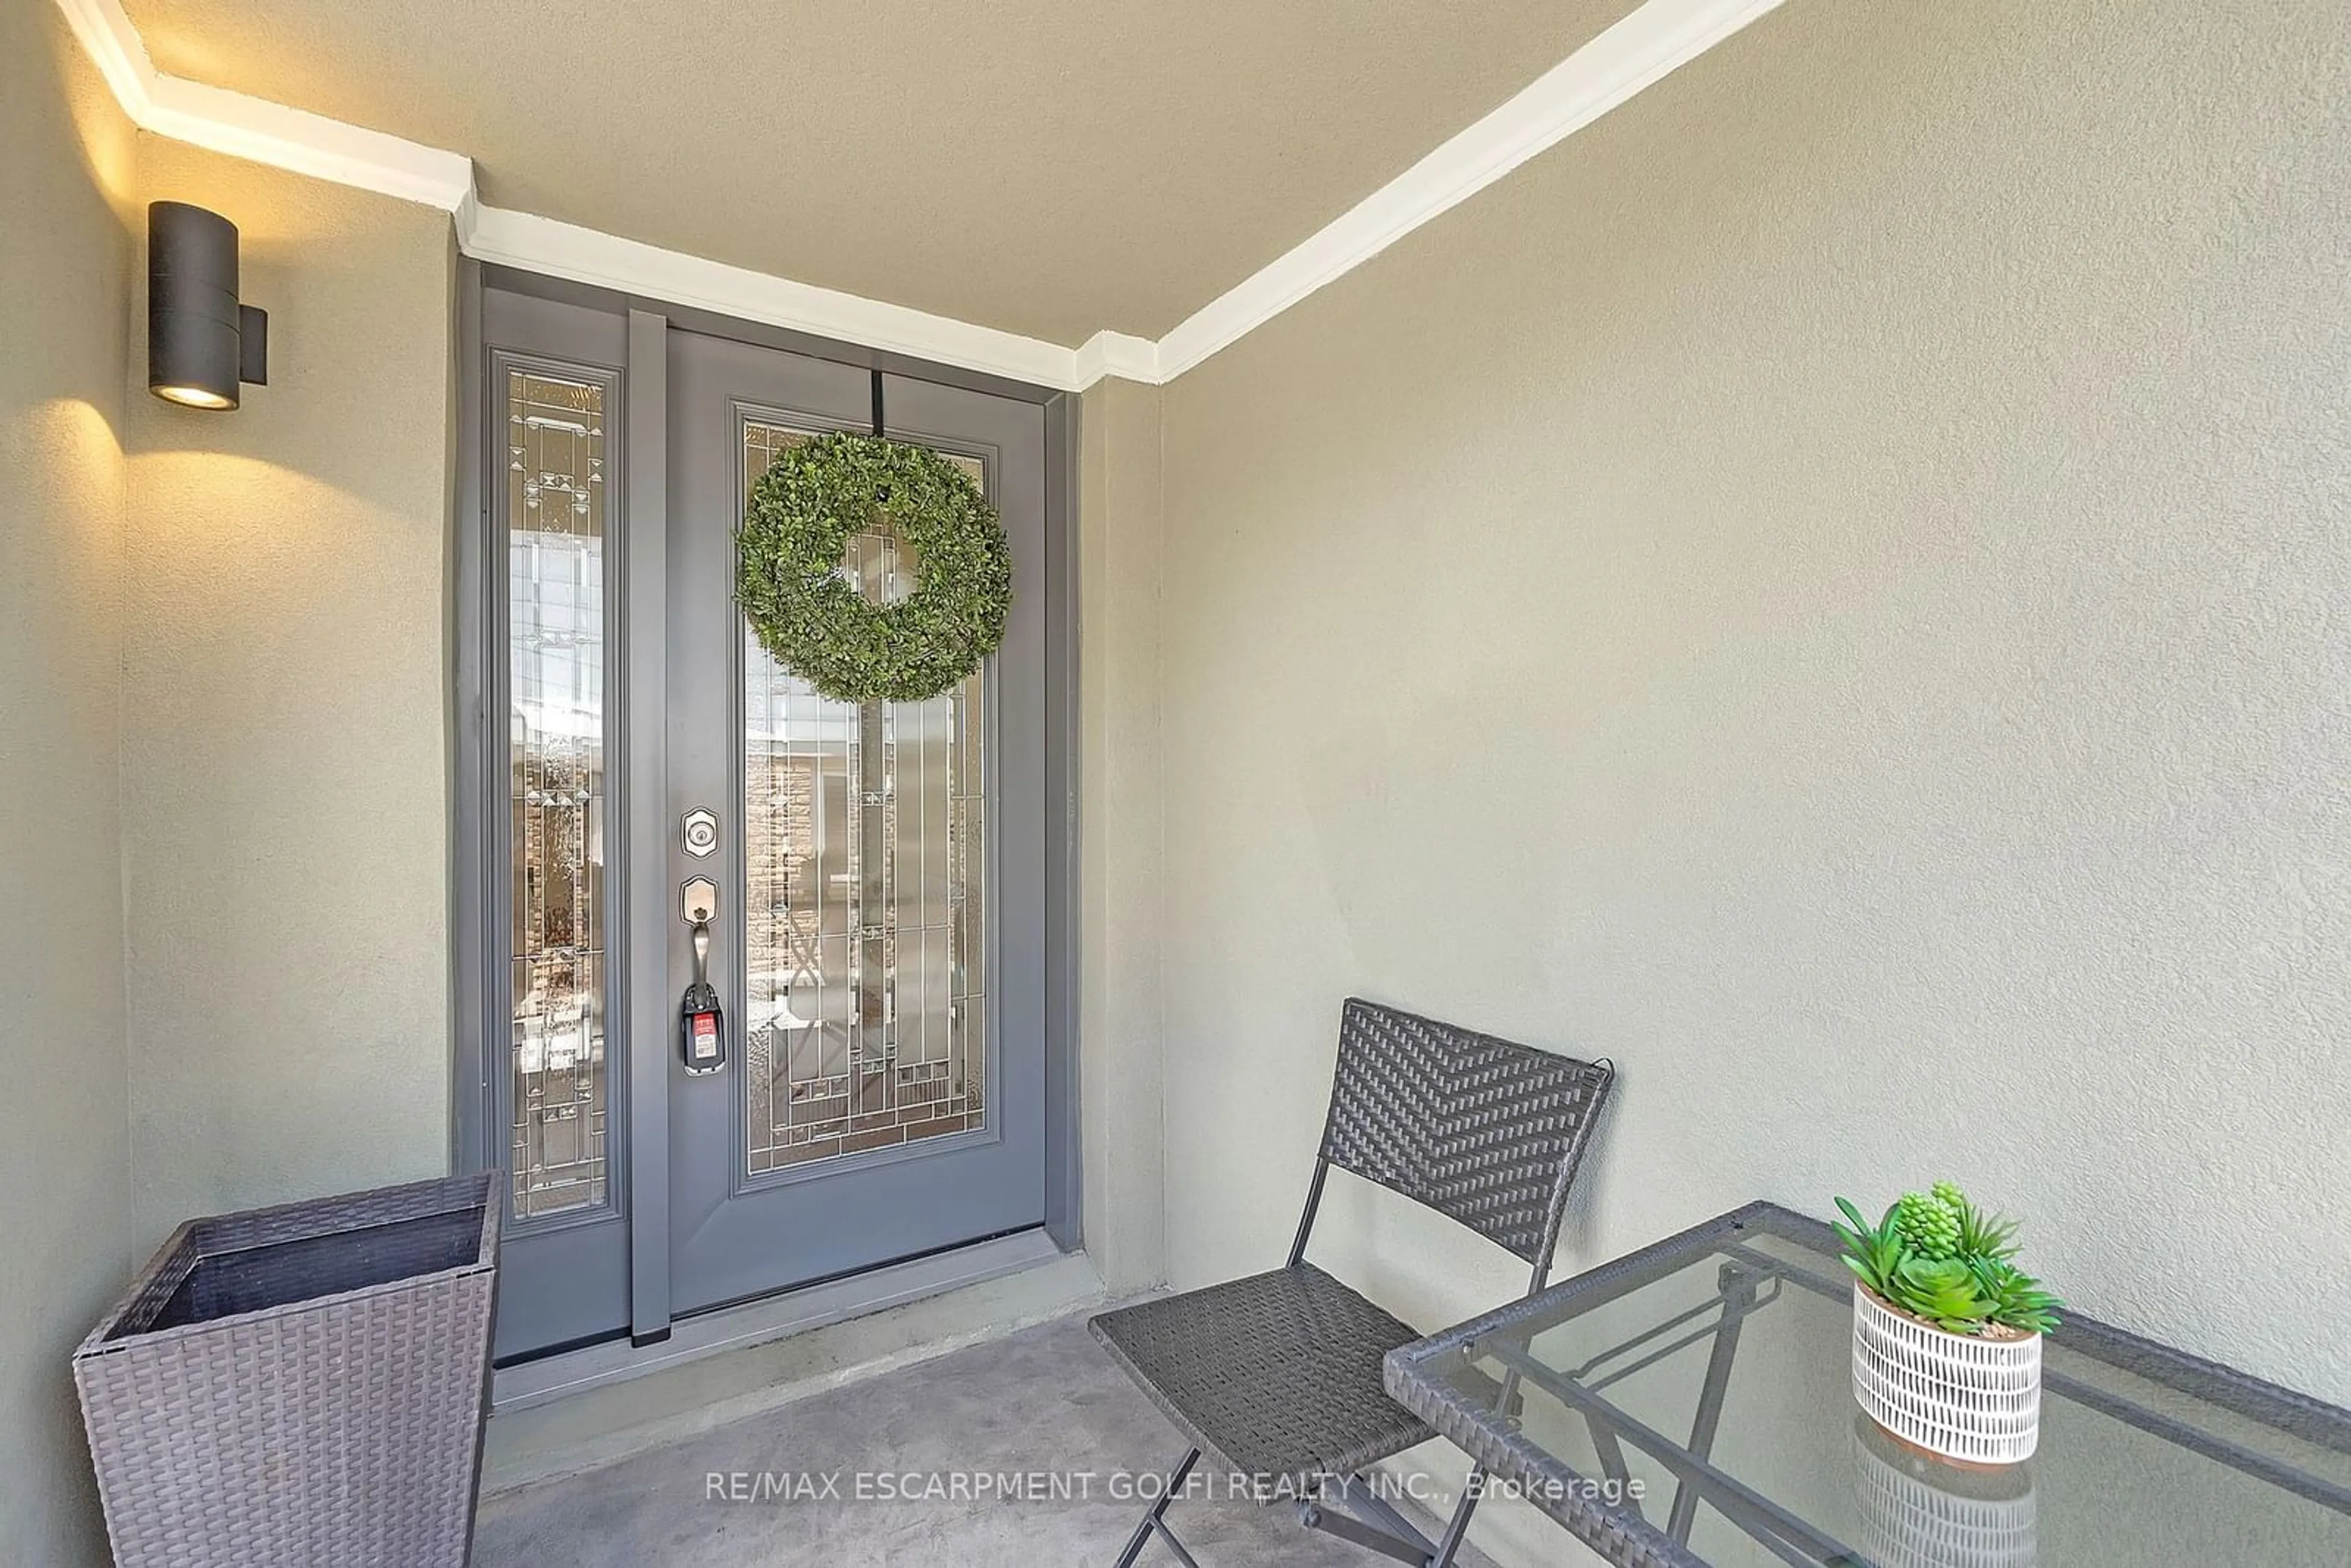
(1276, 1377)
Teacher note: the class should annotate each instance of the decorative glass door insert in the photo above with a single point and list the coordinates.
(863, 833)
(555, 648)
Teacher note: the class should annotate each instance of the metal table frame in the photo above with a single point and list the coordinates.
(1749, 1282)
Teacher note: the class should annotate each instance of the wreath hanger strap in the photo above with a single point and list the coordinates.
(881, 425)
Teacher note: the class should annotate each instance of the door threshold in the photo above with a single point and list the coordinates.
(681, 1402)
(740, 1327)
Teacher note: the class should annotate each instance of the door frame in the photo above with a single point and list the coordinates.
(637, 827)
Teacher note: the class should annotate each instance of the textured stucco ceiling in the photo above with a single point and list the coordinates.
(1049, 167)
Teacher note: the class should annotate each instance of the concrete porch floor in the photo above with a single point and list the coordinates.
(1038, 1402)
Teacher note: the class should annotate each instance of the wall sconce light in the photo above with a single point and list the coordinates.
(201, 344)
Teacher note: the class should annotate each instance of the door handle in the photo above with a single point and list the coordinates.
(701, 1021)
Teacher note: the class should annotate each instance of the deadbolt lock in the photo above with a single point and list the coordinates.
(700, 831)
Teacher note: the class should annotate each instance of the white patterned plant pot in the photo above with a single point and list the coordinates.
(1960, 1396)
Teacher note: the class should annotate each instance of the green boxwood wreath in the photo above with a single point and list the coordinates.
(796, 525)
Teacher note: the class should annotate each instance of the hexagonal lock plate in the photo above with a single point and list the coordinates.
(700, 833)
(697, 900)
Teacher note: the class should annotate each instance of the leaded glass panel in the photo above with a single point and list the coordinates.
(865, 946)
(554, 430)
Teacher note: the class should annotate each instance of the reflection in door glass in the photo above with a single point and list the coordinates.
(862, 845)
(555, 650)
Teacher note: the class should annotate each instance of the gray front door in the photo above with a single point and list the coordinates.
(881, 941)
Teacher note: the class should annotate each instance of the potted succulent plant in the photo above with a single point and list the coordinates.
(1946, 1328)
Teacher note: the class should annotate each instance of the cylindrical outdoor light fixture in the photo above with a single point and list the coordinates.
(201, 344)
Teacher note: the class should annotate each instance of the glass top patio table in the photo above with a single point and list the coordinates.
(1691, 1405)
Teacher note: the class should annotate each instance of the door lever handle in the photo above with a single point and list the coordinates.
(702, 1023)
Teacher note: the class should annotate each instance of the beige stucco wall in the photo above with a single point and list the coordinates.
(1829, 589)
(222, 755)
(1119, 1027)
(66, 214)
(285, 772)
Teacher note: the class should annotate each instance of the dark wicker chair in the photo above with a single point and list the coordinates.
(1278, 1375)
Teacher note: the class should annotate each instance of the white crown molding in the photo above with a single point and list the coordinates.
(310, 144)
(264, 132)
(1656, 38)
(113, 46)
(586, 256)
(1647, 45)
(1108, 354)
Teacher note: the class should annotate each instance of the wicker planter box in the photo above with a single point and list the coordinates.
(300, 1385)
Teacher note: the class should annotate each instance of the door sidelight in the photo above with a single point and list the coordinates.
(702, 1023)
